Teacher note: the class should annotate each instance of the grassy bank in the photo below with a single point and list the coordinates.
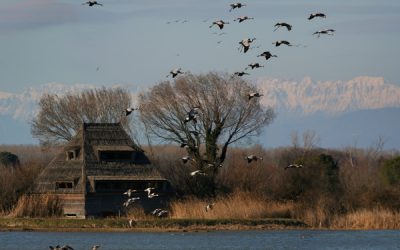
(121, 224)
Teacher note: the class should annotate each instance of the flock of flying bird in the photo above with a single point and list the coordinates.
(193, 114)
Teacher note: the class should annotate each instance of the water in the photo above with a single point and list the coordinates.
(296, 239)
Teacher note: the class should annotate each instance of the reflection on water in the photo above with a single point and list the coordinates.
(296, 239)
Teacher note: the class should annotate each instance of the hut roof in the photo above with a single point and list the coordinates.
(82, 158)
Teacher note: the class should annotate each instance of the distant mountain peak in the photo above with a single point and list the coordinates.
(303, 97)
(332, 97)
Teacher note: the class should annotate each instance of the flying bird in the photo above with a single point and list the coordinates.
(92, 2)
(251, 158)
(185, 159)
(162, 213)
(192, 115)
(324, 32)
(254, 65)
(254, 94)
(240, 73)
(242, 18)
(209, 206)
(130, 201)
(156, 211)
(128, 111)
(245, 44)
(280, 42)
(294, 166)
(312, 15)
(279, 25)
(267, 55)
(131, 222)
(129, 192)
(236, 5)
(197, 172)
(175, 72)
(150, 194)
(219, 23)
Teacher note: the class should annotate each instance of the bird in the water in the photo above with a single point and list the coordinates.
(240, 73)
(243, 18)
(267, 55)
(280, 42)
(197, 172)
(324, 32)
(279, 25)
(254, 65)
(245, 44)
(219, 23)
(175, 72)
(95, 247)
(92, 2)
(58, 247)
(294, 166)
(209, 206)
(254, 94)
(185, 159)
(128, 111)
(251, 158)
(313, 15)
(236, 5)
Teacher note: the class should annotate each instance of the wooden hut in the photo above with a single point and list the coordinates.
(95, 168)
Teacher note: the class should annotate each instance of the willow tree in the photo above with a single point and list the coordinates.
(225, 115)
(61, 116)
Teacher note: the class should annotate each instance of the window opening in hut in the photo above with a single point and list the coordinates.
(64, 185)
(116, 156)
(72, 154)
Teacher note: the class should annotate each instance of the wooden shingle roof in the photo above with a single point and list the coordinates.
(91, 139)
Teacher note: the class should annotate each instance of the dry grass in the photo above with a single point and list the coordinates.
(38, 206)
(377, 218)
(239, 205)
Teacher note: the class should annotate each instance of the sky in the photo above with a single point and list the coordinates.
(129, 41)
(138, 42)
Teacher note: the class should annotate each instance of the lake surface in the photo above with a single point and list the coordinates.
(293, 239)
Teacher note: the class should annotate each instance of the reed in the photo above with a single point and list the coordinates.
(376, 218)
(44, 205)
(239, 205)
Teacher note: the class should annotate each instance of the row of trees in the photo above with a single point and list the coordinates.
(331, 179)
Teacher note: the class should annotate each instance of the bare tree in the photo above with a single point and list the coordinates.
(295, 139)
(310, 139)
(60, 117)
(225, 115)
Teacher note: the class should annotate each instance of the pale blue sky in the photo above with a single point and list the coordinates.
(62, 41)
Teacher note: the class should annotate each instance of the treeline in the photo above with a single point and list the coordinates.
(331, 183)
(18, 175)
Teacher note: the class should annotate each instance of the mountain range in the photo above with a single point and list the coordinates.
(342, 113)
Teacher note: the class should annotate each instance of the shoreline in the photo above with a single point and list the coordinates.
(162, 225)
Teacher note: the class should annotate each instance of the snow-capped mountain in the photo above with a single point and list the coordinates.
(303, 97)
(340, 112)
(332, 97)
